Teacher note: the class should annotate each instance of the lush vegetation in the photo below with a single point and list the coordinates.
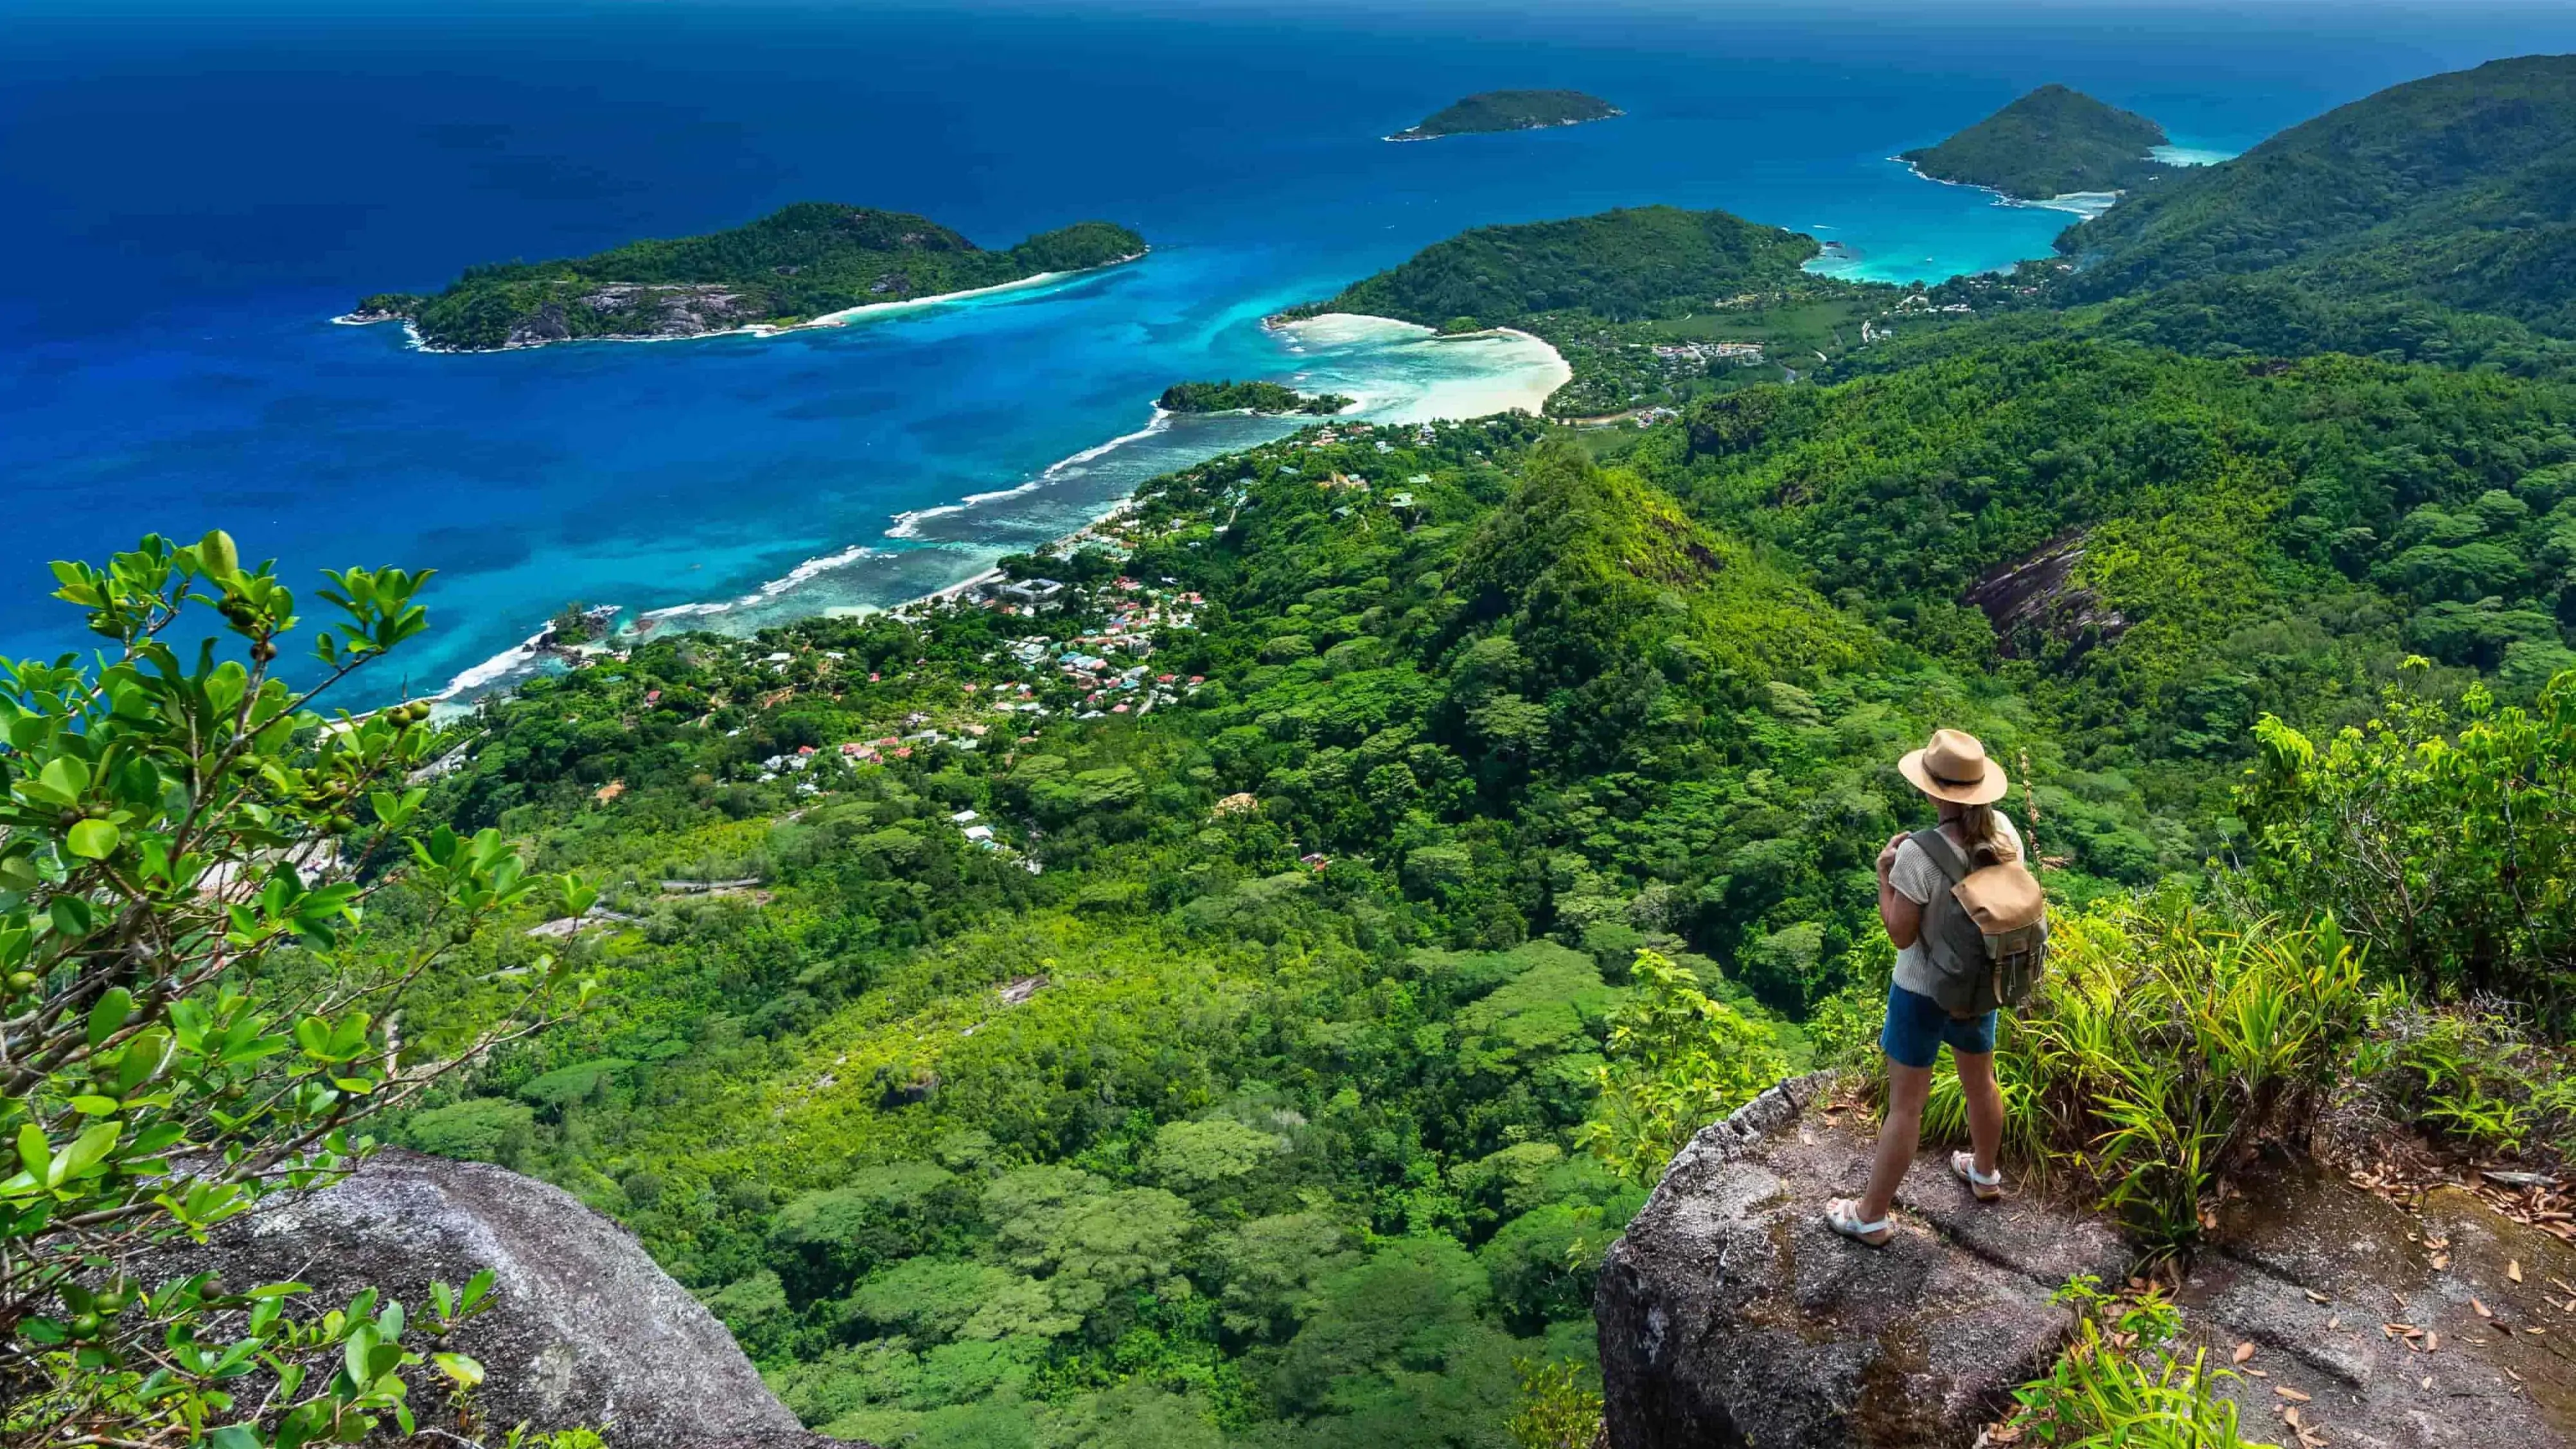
(799, 262)
(2167, 1050)
(1637, 262)
(1257, 397)
(2048, 143)
(1323, 1022)
(1236, 1000)
(1509, 111)
(194, 1019)
(2125, 1380)
(2451, 191)
(1649, 305)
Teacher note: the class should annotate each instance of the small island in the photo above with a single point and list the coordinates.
(1509, 111)
(2051, 143)
(801, 265)
(1248, 397)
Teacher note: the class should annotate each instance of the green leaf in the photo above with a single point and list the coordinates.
(353, 1354)
(464, 1372)
(94, 839)
(114, 1006)
(217, 553)
(92, 1105)
(34, 1151)
(86, 1151)
(71, 915)
(66, 777)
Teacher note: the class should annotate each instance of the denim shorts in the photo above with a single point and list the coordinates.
(1917, 1026)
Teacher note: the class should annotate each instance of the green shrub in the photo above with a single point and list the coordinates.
(1557, 1408)
(2470, 1073)
(2449, 846)
(2166, 1048)
(2126, 1385)
(194, 1019)
(1678, 1061)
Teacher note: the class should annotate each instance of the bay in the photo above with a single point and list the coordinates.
(197, 189)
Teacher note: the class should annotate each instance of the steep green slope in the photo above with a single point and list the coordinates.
(1646, 261)
(2213, 540)
(2050, 142)
(799, 262)
(2459, 189)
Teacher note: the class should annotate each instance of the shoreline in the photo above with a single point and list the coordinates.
(2005, 198)
(499, 674)
(841, 318)
(1404, 136)
(1561, 372)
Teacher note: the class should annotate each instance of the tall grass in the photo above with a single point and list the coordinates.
(2165, 1049)
(2124, 1384)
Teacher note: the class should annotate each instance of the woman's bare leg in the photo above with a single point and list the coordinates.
(1898, 1136)
(1985, 1106)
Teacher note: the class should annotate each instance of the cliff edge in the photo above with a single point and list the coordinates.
(1730, 1316)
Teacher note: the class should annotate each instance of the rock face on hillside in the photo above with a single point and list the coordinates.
(586, 1330)
(1730, 1316)
(2031, 601)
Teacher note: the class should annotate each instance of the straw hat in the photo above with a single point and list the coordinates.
(1954, 767)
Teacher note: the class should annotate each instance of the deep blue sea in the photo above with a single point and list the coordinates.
(193, 190)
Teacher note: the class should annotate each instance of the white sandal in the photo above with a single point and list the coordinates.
(1986, 1189)
(1842, 1214)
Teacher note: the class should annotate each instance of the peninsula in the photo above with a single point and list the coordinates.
(2053, 142)
(1645, 304)
(1509, 111)
(1247, 397)
(799, 265)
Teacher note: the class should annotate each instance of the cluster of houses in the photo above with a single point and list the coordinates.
(980, 836)
(1742, 354)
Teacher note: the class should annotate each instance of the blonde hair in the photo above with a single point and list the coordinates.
(1982, 828)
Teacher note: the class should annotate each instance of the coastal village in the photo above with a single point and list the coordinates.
(1054, 660)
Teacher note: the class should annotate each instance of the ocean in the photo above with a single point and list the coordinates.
(196, 189)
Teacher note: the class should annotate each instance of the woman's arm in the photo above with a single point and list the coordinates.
(1900, 913)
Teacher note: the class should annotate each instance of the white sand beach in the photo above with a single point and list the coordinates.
(1414, 374)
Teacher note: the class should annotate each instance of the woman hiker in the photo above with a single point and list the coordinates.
(1964, 784)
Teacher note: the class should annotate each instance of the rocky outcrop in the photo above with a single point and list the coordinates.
(2033, 604)
(1729, 1315)
(585, 1329)
(2428, 1329)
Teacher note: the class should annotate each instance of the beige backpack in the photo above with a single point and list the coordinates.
(1987, 936)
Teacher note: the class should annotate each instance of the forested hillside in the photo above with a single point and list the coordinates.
(798, 262)
(1294, 1011)
(1619, 266)
(2048, 143)
(2459, 189)
(1649, 305)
